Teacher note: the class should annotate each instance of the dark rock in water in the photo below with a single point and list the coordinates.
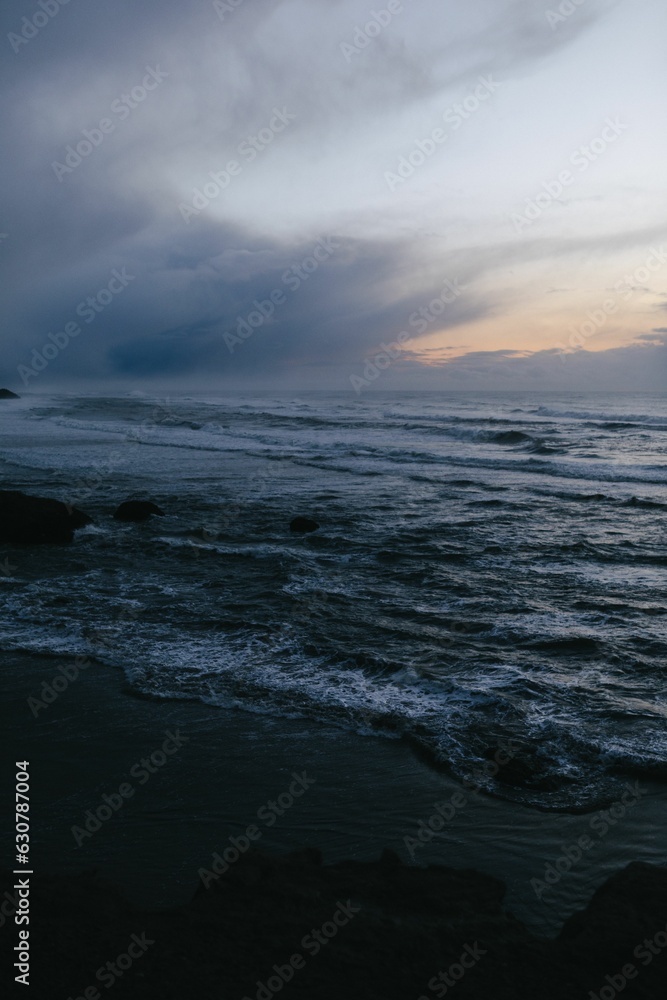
(302, 525)
(528, 772)
(137, 510)
(378, 930)
(7, 394)
(27, 520)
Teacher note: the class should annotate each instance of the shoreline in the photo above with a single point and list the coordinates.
(368, 794)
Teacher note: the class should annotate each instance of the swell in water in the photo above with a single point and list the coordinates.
(488, 572)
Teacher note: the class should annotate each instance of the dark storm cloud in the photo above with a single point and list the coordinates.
(192, 289)
(326, 311)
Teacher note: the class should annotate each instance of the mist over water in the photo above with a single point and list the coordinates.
(488, 570)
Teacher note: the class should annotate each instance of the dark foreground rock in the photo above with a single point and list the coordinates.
(302, 525)
(8, 394)
(292, 927)
(27, 520)
(137, 510)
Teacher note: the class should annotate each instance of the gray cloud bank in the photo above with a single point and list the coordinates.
(98, 243)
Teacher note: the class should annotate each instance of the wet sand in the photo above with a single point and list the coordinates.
(231, 770)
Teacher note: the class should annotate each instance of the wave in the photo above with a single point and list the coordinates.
(608, 473)
(454, 727)
(484, 572)
(610, 420)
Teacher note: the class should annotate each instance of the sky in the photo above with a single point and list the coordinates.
(331, 194)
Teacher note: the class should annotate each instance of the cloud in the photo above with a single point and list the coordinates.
(659, 336)
(640, 366)
(332, 310)
(119, 207)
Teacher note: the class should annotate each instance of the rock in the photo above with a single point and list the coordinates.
(137, 510)
(302, 525)
(390, 859)
(384, 930)
(27, 520)
(7, 394)
(629, 907)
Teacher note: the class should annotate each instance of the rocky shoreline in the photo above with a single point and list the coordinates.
(259, 926)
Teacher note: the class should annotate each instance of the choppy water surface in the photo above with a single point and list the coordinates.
(488, 569)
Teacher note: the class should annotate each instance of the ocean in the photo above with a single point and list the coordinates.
(487, 583)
